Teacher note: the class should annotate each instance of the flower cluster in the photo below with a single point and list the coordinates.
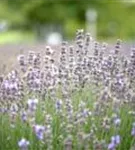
(73, 100)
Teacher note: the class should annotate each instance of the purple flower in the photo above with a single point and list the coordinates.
(111, 146)
(32, 104)
(58, 104)
(117, 121)
(115, 141)
(133, 130)
(23, 144)
(39, 130)
(24, 116)
(86, 113)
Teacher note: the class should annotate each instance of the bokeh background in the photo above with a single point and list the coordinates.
(32, 24)
(50, 21)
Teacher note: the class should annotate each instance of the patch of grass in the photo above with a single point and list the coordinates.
(10, 136)
(16, 37)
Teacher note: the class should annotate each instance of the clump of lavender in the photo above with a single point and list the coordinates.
(75, 102)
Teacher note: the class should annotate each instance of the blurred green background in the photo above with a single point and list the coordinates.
(48, 20)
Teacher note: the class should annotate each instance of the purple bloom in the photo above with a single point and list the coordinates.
(117, 121)
(86, 113)
(24, 116)
(39, 130)
(58, 104)
(23, 144)
(115, 140)
(32, 104)
(133, 130)
(111, 146)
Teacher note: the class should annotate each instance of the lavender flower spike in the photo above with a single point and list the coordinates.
(133, 130)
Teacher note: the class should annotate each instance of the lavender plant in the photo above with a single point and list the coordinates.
(84, 101)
